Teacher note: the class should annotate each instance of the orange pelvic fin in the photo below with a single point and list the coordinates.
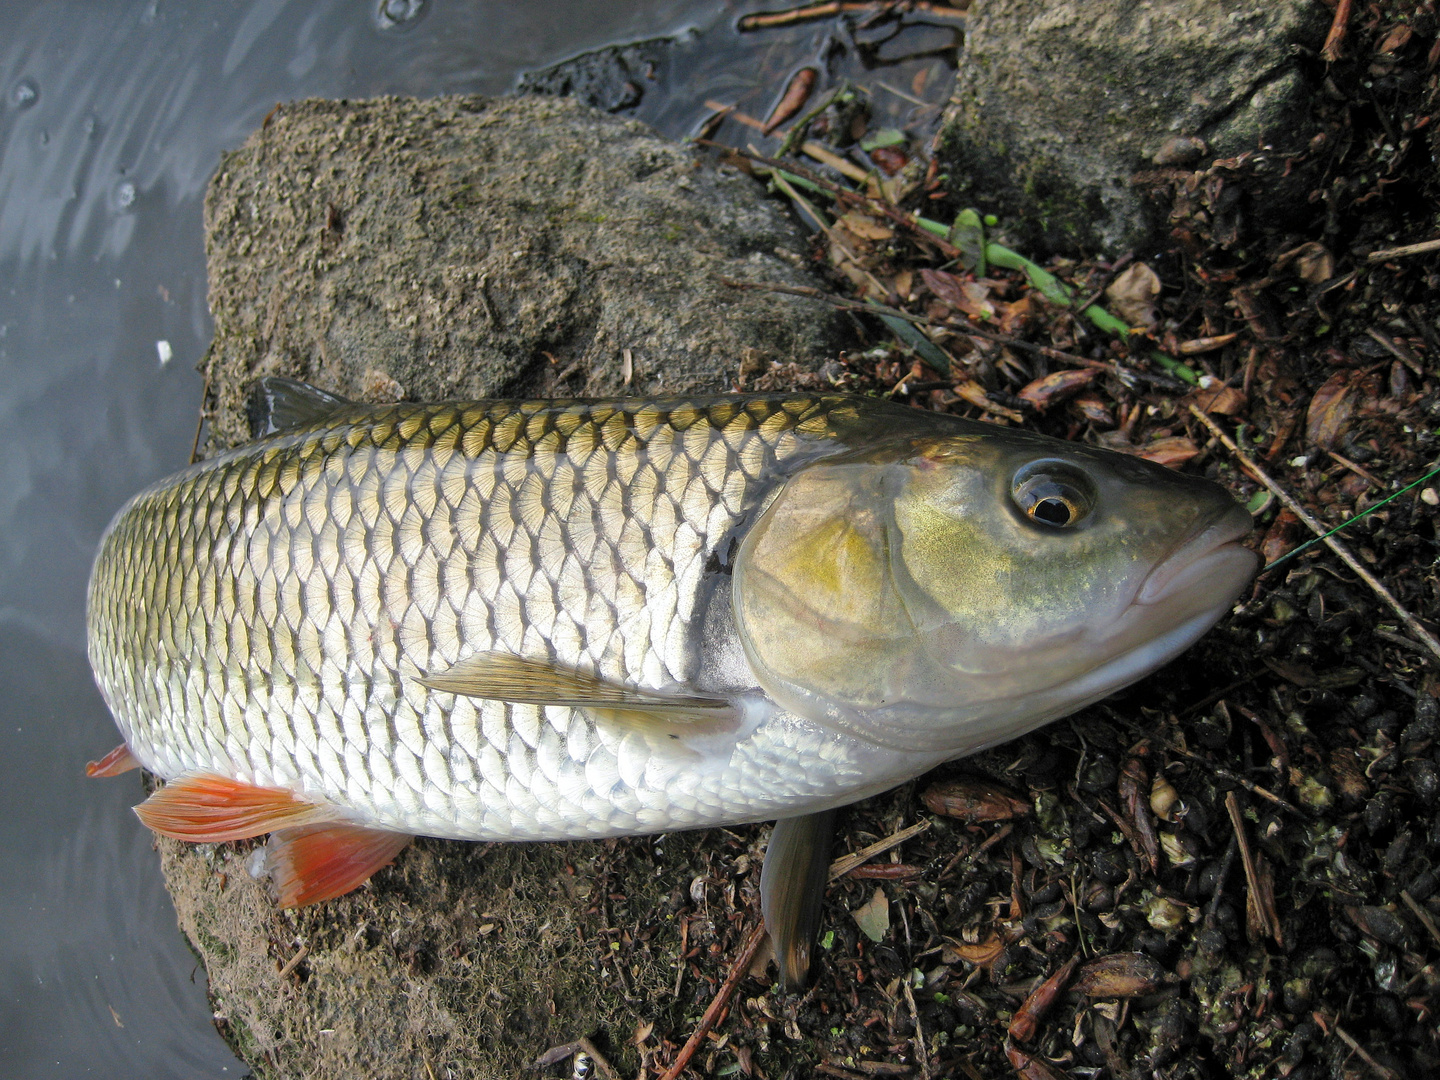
(205, 808)
(319, 862)
(114, 763)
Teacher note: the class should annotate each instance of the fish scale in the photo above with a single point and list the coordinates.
(265, 614)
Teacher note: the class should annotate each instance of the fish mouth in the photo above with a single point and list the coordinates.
(1207, 566)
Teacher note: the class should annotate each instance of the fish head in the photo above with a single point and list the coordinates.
(957, 591)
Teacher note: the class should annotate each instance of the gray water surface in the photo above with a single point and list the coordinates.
(113, 118)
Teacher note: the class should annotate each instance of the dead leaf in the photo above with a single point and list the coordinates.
(975, 394)
(982, 954)
(1028, 1066)
(1057, 386)
(1314, 264)
(1133, 294)
(1120, 975)
(1349, 776)
(865, 226)
(1015, 315)
(1196, 346)
(1025, 1024)
(1398, 37)
(1280, 537)
(970, 297)
(1330, 411)
(1172, 452)
(1222, 400)
(973, 801)
(945, 286)
(873, 916)
(1094, 409)
(796, 92)
(891, 159)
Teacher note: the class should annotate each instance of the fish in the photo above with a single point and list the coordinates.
(564, 619)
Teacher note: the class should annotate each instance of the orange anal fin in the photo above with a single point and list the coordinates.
(205, 808)
(117, 761)
(319, 862)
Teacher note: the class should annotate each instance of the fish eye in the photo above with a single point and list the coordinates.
(1053, 494)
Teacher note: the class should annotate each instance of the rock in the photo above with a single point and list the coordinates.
(612, 79)
(468, 247)
(1058, 103)
(443, 248)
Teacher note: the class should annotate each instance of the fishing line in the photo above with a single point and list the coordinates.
(1348, 521)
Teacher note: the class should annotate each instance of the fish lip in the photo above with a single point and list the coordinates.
(1212, 544)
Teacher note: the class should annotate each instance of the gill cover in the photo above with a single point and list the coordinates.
(968, 588)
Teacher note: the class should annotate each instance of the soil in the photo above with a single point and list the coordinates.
(1231, 869)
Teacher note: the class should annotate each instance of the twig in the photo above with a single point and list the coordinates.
(1339, 26)
(855, 198)
(829, 231)
(734, 114)
(718, 1005)
(1409, 249)
(1380, 1070)
(1247, 784)
(1411, 623)
(1356, 469)
(200, 419)
(924, 1055)
(841, 165)
(1105, 281)
(1421, 914)
(966, 856)
(960, 328)
(765, 20)
(294, 962)
(1264, 918)
(843, 865)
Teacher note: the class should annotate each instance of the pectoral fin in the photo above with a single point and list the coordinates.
(204, 808)
(792, 885)
(506, 677)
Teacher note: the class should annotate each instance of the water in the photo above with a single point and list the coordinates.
(112, 119)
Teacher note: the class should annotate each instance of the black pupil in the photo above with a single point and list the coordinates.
(1052, 511)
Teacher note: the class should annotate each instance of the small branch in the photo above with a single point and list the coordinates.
(294, 962)
(1380, 1070)
(720, 1002)
(1421, 914)
(1260, 914)
(1411, 623)
(1409, 249)
(959, 328)
(765, 20)
(843, 865)
(1339, 26)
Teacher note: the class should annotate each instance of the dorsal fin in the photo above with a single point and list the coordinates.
(506, 677)
(276, 404)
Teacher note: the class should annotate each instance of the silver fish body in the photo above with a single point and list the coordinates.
(853, 590)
